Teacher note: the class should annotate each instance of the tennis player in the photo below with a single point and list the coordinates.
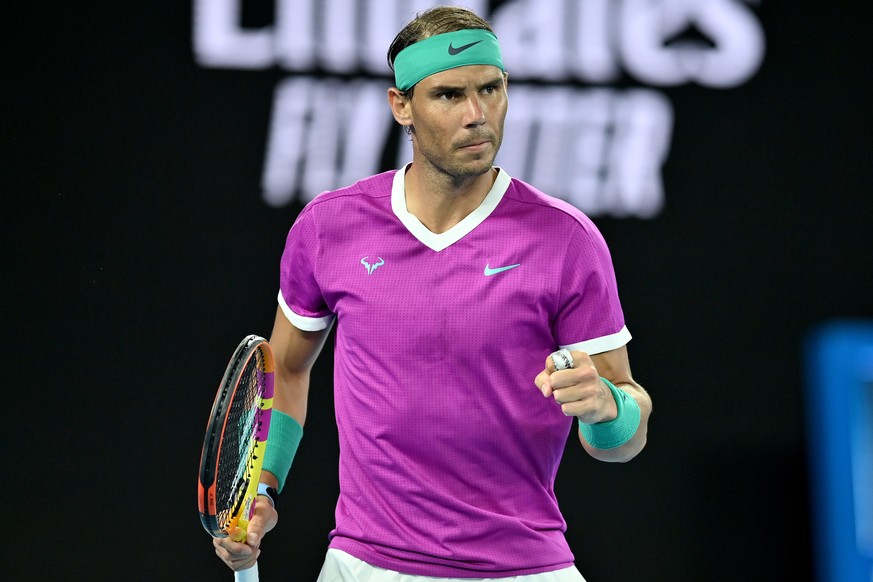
(450, 284)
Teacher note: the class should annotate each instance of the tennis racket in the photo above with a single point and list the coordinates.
(234, 445)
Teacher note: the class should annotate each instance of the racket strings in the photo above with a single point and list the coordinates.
(239, 446)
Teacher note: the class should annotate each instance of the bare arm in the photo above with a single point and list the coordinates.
(295, 352)
(582, 393)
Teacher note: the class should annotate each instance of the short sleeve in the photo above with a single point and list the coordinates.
(589, 318)
(300, 296)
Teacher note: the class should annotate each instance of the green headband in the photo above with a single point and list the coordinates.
(441, 52)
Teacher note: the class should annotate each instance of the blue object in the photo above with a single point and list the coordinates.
(839, 407)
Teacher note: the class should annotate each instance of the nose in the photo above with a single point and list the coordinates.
(475, 112)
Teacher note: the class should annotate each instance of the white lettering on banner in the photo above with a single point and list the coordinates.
(647, 25)
(338, 36)
(599, 149)
(602, 149)
(219, 41)
(348, 136)
(591, 46)
(533, 39)
(569, 40)
(295, 35)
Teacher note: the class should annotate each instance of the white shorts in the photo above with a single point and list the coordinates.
(341, 567)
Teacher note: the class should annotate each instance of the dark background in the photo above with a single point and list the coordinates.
(137, 254)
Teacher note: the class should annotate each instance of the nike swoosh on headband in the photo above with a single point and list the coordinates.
(462, 48)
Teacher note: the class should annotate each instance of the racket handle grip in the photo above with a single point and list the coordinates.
(247, 575)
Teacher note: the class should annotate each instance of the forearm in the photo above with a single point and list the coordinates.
(292, 393)
(289, 414)
(295, 353)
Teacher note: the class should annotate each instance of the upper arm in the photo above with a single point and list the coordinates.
(295, 352)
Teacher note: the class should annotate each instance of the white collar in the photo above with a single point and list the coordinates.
(438, 242)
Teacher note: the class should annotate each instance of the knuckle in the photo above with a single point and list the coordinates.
(566, 395)
(588, 372)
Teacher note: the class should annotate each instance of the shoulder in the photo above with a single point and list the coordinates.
(337, 214)
(376, 186)
(560, 214)
(365, 190)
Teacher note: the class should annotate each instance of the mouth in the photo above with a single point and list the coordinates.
(474, 145)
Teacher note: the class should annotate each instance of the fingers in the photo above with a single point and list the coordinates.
(572, 368)
(543, 383)
(264, 520)
(562, 359)
(578, 390)
(241, 555)
(553, 377)
(574, 385)
(237, 555)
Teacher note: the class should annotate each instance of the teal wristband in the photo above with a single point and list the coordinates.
(282, 443)
(618, 431)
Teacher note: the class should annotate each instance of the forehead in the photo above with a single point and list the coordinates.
(462, 76)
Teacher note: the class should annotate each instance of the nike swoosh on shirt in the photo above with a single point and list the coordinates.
(462, 48)
(489, 271)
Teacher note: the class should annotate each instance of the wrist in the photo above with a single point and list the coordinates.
(618, 431)
(271, 494)
(285, 435)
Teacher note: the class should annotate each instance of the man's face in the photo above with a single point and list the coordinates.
(458, 118)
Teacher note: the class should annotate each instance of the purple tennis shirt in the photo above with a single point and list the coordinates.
(448, 452)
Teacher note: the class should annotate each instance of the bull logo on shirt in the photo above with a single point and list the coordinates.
(372, 267)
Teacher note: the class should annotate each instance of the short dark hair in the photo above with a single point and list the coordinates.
(431, 22)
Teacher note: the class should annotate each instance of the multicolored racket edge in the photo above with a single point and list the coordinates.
(252, 351)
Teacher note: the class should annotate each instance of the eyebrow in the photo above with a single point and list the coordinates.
(460, 88)
(495, 81)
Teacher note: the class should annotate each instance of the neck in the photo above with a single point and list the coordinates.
(441, 201)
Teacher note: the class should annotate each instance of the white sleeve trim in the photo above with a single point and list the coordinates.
(302, 322)
(602, 344)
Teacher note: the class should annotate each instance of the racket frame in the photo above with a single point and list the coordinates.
(210, 458)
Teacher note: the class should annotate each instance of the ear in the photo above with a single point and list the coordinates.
(401, 106)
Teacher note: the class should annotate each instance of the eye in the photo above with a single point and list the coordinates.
(447, 95)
